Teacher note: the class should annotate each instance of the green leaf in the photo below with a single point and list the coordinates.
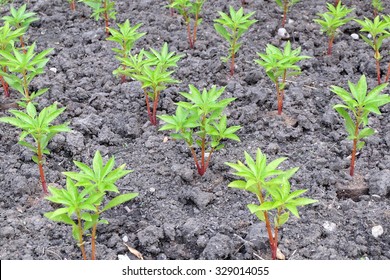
(119, 200)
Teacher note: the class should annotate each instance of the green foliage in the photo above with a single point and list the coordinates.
(357, 105)
(84, 196)
(232, 27)
(333, 18)
(8, 35)
(125, 37)
(19, 18)
(201, 122)
(272, 189)
(38, 126)
(189, 10)
(377, 5)
(23, 68)
(288, 3)
(101, 8)
(279, 65)
(378, 29)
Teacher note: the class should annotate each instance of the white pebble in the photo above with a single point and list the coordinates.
(377, 231)
(369, 36)
(125, 238)
(329, 226)
(282, 33)
(290, 21)
(355, 36)
(123, 258)
(54, 70)
(152, 190)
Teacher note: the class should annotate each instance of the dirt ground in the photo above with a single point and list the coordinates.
(178, 214)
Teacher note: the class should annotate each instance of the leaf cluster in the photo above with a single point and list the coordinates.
(333, 18)
(270, 185)
(290, 3)
(19, 18)
(38, 126)
(23, 68)
(186, 8)
(378, 29)
(358, 104)
(232, 27)
(378, 5)
(84, 195)
(278, 63)
(201, 118)
(101, 7)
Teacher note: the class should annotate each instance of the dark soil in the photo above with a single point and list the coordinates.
(178, 214)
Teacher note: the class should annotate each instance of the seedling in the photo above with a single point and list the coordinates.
(126, 37)
(20, 19)
(279, 65)
(23, 68)
(358, 104)
(102, 9)
(39, 127)
(231, 29)
(332, 20)
(378, 32)
(378, 6)
(151, 69)
(387, 20)
(285, 5)
(7, 37)
(201, 122)
(272, 189)
(187, 9)
(83, 199)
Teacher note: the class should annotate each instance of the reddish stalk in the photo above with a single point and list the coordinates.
(330, 44)
(272, 242)
(5, 86)
(353, 157)
(81, 244)
(233, 57)
(155, 103)
(195, 30)
(189, 36)
(22, 44)
(148, 105)
(388, 74)
(285, 7)
(280, 93)
(336, 2)
(378, 72)
(106, 18)
(40, 166)
(73, 5)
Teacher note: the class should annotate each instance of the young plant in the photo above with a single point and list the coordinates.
(279, 65)
(72, 4)
(378, 31)
(201, 122)
(23, 68)
(102, 9)
(231, 29)
(272, 189)
(358, 104)
(378, 6)
(39, 127)
(7, 37)
(20, 19)
(84, 196)
(151, 70)
(387, 20)
(126, 37)
(187, 9)
(332, 20)
(285, 5)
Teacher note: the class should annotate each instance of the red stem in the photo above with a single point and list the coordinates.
(189, 36)
(285, 7)
(388, 73)
(148, 105)
(93, 243)
(106, 17)
(73, 5)
(353, 157)
(81, 245)
(378, 72)
(40, 166)
(195, 158)
(268, 226)
(336, 2)
(330, 45)
(195, 29)
(155, 103)
(5, 87)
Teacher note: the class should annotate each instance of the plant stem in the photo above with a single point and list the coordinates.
(195, 29)
(5, 86)
(155, 103)
(233, 54)
(73, 5)
(25, 86)
(378, 71)
(81, 244)
(22, 44)
(268, 226)
(194, 157)
(40, 166)
(106, 17)
(388, 74)
(209, 157)
(330, 44)
(148, 105)
(189, 36)
(353, 157)
(336, 2)
(285, 8)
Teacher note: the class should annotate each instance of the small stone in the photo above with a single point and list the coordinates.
(152, 190)
(53, 69)
(282, 33)
(125, 238)
(290, 21)
(329, 226)
(355, 36)
(377, 231)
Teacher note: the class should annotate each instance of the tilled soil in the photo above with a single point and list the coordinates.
(179, 214)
